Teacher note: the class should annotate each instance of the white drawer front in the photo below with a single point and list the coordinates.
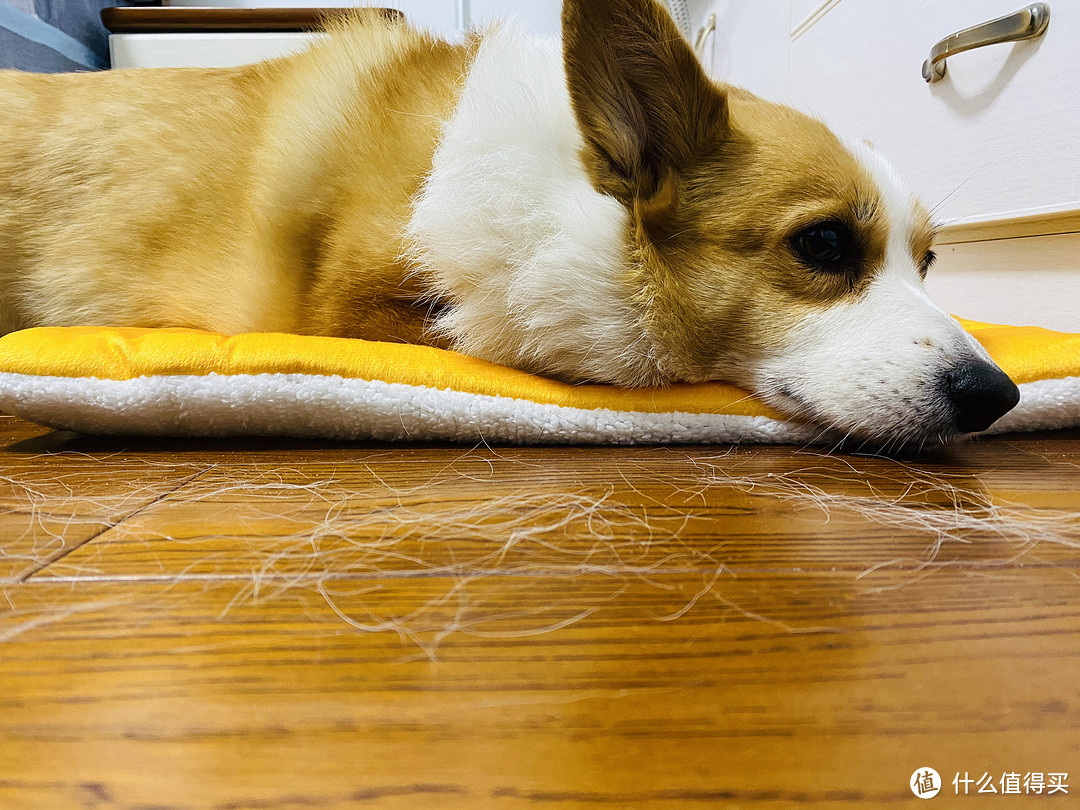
(995, 139)
(441, 16)
(541, 17)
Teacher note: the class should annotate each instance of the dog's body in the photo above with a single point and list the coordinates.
(602, 212)
(267, 198)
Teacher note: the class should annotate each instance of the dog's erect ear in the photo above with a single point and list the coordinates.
(642, 99)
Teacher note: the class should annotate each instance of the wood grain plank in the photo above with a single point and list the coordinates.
(53, 502)
(271, 702)
(764, 632)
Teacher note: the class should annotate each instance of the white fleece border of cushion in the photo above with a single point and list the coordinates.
(332, 407)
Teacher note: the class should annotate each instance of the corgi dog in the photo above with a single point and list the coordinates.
(596, 210)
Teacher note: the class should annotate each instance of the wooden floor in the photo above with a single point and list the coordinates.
(268, 624)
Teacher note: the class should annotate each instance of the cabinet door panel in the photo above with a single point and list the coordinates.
(437, 15)
(537, 16)
(995, 139)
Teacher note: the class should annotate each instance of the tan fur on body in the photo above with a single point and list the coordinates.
(262, 198)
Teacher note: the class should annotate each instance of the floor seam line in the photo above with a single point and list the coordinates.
(23, 578)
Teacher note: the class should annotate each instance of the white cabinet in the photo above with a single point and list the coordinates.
(450, 17)
(447, 18)
(750, 47)
(442, 16)
(538, 16)
(994, 140)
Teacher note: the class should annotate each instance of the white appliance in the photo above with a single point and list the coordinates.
(221, 49)
(202, 50)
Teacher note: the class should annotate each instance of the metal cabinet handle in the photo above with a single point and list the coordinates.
(1027, 23)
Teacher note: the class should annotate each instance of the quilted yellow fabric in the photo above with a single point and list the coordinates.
(124, 354)
(1029, 353)
(185, 382)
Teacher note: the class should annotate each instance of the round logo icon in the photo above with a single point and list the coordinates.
(925, 783)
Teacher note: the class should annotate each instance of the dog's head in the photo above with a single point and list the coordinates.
(764, 250)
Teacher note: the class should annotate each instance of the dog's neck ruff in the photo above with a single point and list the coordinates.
(511, 232)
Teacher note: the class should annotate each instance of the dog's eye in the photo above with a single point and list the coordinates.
(825, 246)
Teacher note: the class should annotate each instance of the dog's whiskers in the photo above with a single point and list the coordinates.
(952, 193)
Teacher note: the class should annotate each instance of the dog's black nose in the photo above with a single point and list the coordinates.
(981, 393)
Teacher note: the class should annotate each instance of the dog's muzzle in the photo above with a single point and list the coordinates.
(980, 393)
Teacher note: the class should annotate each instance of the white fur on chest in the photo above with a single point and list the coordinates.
(509, 229)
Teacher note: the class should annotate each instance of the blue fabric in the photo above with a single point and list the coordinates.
(30, 43)
(24, 54)
(80, 19)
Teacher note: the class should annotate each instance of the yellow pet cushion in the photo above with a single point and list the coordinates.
(186, 382)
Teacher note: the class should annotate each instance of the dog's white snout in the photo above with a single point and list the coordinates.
(890, 367)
